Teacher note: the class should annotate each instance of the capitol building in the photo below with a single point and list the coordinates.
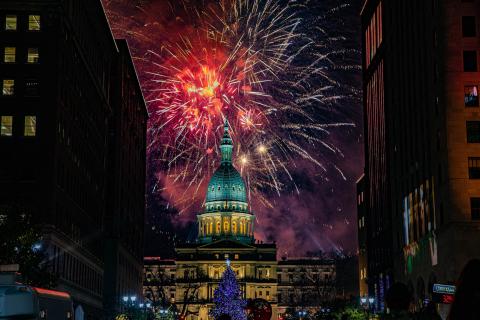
(226, 232)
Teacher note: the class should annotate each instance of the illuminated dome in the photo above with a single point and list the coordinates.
(226, 213)
(226, 184)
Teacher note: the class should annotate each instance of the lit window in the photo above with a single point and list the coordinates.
(469, 26)
(9, 55)
(473, 131)
(32, 56)
(8, 87)
(471, 96)
(473, 168)
(11, 22)
(6, 126)
(475, 208)
(33, 22)
(470, 61)
(236, 256)
(30, 126)
(32, 88)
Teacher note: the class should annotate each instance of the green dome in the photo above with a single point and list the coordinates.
(226, 189)
(226, 184)
(226, 214)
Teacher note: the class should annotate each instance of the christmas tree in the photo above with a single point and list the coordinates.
(228, 297)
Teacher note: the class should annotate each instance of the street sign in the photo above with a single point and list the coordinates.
(443, 293)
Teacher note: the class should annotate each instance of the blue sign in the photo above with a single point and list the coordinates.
(443, 288)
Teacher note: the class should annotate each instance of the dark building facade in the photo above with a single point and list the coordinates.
(421, 82)
(64, 92)
(124, 219)
(362, 236)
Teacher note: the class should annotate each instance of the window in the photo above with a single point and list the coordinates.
(475, 208)
(473, 131)
(468, 26)
(30, 128)
(32, 88)
(8, 86)
(32, 56)
(9, 55)
(236, 257)
(471, 96)
(33, 22)
(473, 168)
(11, 22)
(470, 61)
(6, 126)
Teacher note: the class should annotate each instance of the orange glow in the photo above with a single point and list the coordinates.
(52, 293)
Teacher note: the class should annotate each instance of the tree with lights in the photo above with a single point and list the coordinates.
(228, 297)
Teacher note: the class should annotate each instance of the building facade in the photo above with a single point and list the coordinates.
(125, 214)
(362, 237)
(60, 97)
(306, 284)
(225, 232)
(421, 79)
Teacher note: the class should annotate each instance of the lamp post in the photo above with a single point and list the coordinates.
(302, 314)
(367, 304)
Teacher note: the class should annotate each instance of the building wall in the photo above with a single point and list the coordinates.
(124, 219)
(362, 224)
(309, 282)
(255, 268)
(427, 152)
(305, 285)
(56, 167)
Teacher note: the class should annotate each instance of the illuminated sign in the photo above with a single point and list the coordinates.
(443, 293)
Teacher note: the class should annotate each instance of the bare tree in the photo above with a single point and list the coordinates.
(157, 287)
(189, 286)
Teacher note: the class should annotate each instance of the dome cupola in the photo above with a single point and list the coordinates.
(226, 213)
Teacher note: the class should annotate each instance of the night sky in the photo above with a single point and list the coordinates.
(318, 211)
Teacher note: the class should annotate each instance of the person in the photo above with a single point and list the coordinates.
(398, 300)
(466, 305)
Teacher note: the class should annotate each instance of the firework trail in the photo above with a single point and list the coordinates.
(264, 66)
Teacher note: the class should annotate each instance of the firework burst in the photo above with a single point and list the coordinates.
(253, 63)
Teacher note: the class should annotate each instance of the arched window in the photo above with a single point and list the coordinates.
(225, 226)
(234, 227)
(218, 227)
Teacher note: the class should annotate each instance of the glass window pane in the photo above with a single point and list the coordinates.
(475, 208)
(8, 87)
(9, 55)
(6, 126)
(11, 22)
(470, 61)
(473, 168)
(473, 131)
(471, 96)
(30, 126)
(469, 26)
(32, 56)
(33, 22)
(32, 88)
